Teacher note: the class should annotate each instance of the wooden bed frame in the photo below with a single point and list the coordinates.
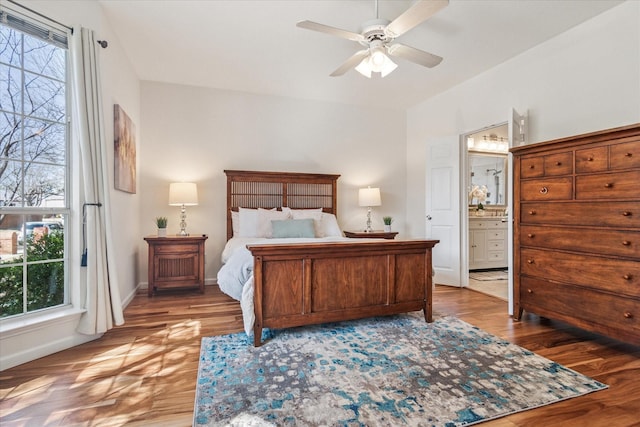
(308, 283)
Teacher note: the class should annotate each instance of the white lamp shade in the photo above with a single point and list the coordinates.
(369, 197)
(183, 193)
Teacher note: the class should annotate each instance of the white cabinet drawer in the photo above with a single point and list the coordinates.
(496, 245)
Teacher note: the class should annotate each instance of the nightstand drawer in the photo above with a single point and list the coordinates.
(177, 248)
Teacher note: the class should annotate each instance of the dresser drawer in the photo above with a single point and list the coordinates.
(496, 255)
(625, 155)
(593, 159)
(547, 189)
(608, 186)
(599, 214)
(611, 242)
(618, 276)
(548, 165)
(587, 308)
(558, 164)
(532, 167)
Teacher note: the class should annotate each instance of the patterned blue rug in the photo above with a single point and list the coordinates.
(387, 371)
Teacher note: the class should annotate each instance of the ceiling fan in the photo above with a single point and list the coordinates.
(378, 35)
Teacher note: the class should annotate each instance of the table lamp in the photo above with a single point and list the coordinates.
(369, 197)
(183, 194)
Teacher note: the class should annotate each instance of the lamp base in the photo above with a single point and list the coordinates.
(368, 229)
(183, 222)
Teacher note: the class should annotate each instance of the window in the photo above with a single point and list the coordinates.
(34, 170)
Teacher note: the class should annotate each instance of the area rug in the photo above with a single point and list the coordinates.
(386, 371)
(488, 275)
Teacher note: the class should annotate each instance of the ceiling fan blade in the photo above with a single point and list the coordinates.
(350, 63)
(413, 16)
(414, 55)
(310, 25)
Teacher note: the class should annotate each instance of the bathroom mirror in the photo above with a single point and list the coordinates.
(488, 177)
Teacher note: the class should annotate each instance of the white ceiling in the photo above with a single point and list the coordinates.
(255, 46)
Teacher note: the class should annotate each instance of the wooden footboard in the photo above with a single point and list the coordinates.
(303, 284)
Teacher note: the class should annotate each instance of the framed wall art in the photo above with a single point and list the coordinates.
(124, 151)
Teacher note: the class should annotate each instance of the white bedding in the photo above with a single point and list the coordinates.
(235, 278)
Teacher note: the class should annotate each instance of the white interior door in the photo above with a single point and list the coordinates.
(517, 136)
(443, 207)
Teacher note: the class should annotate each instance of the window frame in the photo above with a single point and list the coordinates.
(31, 24)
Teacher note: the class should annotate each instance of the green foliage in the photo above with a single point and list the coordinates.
(387, 220)
(45, 280)
(161, 221)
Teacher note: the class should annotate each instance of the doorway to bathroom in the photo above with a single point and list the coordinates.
(487, 210)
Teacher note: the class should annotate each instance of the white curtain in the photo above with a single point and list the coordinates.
(102, 301)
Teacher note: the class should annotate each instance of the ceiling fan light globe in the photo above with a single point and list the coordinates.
(377, 60)
(364, 68)
(388, 67)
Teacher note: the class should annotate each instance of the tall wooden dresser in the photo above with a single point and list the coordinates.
(577, 231)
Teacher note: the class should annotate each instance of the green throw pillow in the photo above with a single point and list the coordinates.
(288, 228)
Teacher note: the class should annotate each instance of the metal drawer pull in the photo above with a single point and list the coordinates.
(608, 185)
(626, 213)
(531, 236)
(529, 291)
(544, 190)
(532, 167)
(558, 163)
(628, 154)
(627, 277)
(590, 159)
(529, 261)
(626, 242)
(628, 315)
(532, 212)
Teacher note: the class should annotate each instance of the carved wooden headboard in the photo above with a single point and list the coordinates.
(255, 189)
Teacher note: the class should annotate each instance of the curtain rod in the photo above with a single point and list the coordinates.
(41, 15)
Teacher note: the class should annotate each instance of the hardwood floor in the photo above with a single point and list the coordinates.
(144, 372)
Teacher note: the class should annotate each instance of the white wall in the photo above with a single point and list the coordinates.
(583, 80)
(194, 134)
(120, 86)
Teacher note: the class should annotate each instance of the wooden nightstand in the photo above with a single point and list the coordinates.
(176, 262)
(375, 234)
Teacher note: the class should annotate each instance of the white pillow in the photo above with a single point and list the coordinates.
(264, 228)
(329, 226)
(235, 223)
(314, 214)
(248, 222)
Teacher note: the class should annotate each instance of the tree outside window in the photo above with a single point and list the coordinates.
(33, 172)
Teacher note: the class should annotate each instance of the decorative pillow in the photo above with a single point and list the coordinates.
(329, 226)
(290, 228)
(314, 214)
(264, 221)
(235, 223)
(248, 222)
